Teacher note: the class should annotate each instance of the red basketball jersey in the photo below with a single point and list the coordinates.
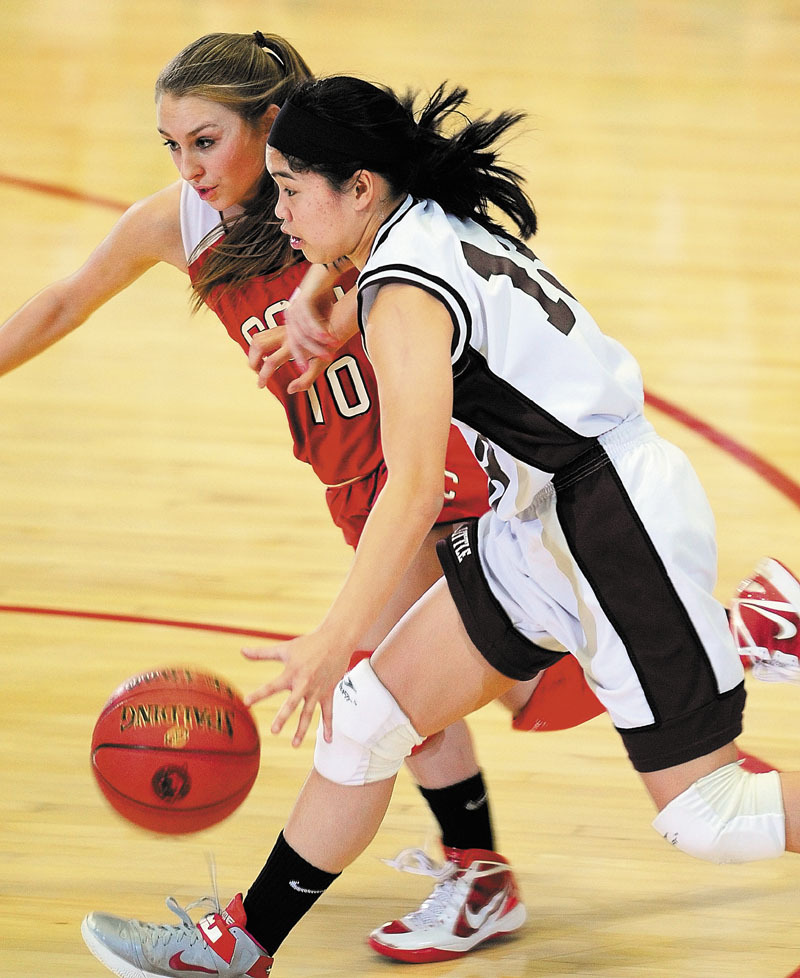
(335, 426)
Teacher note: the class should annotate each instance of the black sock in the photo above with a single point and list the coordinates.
(462, 811)
(285, 890)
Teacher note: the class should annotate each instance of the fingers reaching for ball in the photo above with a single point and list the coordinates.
(311, 670)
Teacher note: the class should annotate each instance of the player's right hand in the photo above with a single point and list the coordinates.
(312, 667)
(270, 350)
(307, 326)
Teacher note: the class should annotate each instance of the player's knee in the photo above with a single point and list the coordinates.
(371, 734)
(728, 816)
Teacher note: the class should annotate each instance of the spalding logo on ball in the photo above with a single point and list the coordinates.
(175, 750)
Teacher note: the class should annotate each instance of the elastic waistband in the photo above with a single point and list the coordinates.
(625, 434)
(356, 478)
(608, 447)
(347, 482)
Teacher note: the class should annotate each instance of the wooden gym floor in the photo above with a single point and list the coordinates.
(147, 488)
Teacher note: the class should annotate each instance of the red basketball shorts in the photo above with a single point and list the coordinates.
(465, 492)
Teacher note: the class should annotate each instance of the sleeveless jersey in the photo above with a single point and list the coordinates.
(335, 425)
(535, 381)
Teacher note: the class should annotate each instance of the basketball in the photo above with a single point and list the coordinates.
(175, 750)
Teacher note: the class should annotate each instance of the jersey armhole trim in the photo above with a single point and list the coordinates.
(436, 287)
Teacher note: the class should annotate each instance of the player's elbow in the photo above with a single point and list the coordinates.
(60, 309)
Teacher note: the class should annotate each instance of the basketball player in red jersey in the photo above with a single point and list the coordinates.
(216, 101)
(334, 426)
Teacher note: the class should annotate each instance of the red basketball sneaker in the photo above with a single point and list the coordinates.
(217, 945)
(475, 899)
(765, 617)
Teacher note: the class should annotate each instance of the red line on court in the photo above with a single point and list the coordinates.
(54, 190)
(769, 472)
(143, 620)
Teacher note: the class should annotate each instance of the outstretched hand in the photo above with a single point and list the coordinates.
(311, 670)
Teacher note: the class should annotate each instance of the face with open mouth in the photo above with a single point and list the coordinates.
(319, 220)
(215, 150)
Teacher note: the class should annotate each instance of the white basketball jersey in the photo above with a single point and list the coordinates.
(197, 220)
(535, 380)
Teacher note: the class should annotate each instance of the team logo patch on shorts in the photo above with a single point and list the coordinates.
(461, 542)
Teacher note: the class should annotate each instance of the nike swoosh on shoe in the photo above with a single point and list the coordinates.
(177, 962)
(786, 629)
(477, 920)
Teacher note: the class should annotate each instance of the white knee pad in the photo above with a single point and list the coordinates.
(728, 816)
(371, 734)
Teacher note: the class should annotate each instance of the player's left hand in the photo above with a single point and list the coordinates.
(312, 667)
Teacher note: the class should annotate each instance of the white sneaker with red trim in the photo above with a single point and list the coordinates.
(217, 945)
(474, 900)
(765, 618)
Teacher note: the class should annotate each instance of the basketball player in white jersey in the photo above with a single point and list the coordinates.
(599, 534)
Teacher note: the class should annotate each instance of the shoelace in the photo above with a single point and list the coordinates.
(773, 667)
(419, 863)
(449, 877)
(187, 930)
(435, 909)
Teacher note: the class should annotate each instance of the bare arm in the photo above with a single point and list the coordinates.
(148, 232)
(409, 337)
(317, 326)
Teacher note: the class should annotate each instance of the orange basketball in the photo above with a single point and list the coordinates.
(175, 750)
